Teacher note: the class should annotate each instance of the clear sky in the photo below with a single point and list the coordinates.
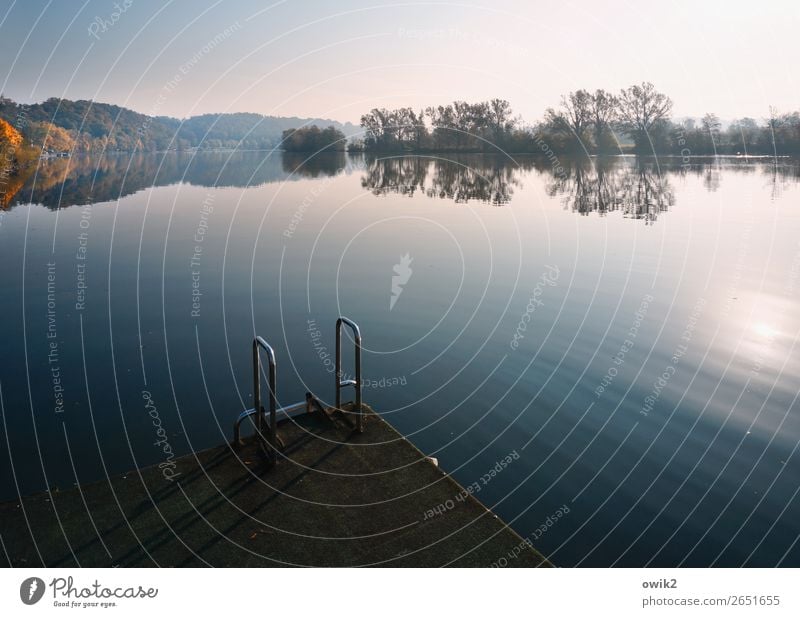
(338, 59)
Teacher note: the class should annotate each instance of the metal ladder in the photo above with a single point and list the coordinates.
(356, 383)
(273, 441)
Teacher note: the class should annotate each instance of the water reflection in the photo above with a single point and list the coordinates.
(405, 175)
(639, 188)
(726, 421)
(80, 180)
(487, 179)
(303, 165)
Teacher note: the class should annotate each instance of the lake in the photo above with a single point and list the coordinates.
(623, 331)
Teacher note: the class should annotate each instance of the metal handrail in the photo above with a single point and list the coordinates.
(356, 383)
(272, 438)
(289, 411)
(259, 342)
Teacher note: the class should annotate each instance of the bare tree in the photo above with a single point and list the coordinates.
(393, 129)
(376, 126)
(499, 118)
(712, 127)
(573, 117)
(711, 124)
(641, 108)
(603, 109)
(744, 132)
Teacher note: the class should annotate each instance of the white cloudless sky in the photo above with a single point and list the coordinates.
(338, 59)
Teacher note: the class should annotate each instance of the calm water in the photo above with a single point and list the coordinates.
(627, 328)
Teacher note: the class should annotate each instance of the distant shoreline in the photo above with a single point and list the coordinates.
(384, 154)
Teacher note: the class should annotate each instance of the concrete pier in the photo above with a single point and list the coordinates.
(335, 498)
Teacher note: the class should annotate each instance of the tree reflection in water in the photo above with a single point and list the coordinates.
(639, 188)
(485, 178)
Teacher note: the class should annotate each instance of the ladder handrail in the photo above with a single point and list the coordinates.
(290, 411)
(311, 401)
(356, 383)
(259, 342)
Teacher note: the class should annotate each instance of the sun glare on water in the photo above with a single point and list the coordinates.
(764, 330)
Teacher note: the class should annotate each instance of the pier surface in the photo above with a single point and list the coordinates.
(335, 498)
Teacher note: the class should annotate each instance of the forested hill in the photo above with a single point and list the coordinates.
(61, 125)
(254, 130)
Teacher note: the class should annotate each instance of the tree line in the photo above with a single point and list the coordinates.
(459, 126)
(313, 139)
(61, 125)
(636, 119)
